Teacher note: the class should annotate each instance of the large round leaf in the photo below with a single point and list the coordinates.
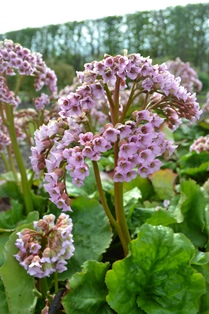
(156, 277)
(91, 233)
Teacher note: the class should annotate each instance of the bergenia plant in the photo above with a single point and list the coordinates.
(17, 63)
(131, 134)
(45, 249)
(188, 75)
(83, 253)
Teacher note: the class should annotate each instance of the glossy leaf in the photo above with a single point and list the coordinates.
(200, 262)
(130, 200)
(19, 287)
(10, 218)
(163, 182)
(88, 291)
(143, 184)
(91, 233)
(3, 301)
(192, 209)
(3, 239)
(156, 276)
(161, 217)
(195, 165)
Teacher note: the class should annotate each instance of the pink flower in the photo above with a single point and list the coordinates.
(155, 165)
(133, 72)
(111, 134)
(141, 115)
(85, 137)
(124, 166)
(97, 91)
(76, 159)
(130, 175)
(125, 130)
(127, 150)
(143, 171)
(118, 177)
(109, 76)
(88, 152)
(100, 144)
(87, 103)
(81, 172)
(145, 157)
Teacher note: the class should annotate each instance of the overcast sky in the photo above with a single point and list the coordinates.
(19, 14)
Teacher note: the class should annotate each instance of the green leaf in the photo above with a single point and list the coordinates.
(163, 181)
(31, 217)
(3, 300)
(193, 160)
(193, 210)
(195, 165)
(200, 262)
(3, 239)
(91, 233)
(143, 184)
(157, 276)
(10, 218)
(161, 217)
(88, 290)
(175, 206)
(74, 190)
(11, 190)
(138, 218)
(19, 286)
(130, 200)
(40, 203)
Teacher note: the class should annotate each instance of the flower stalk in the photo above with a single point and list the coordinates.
(118, 224)
(25, 187)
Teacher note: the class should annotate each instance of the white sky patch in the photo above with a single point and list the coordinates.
(16, 15)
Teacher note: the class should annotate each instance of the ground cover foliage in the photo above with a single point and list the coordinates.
(110, 213)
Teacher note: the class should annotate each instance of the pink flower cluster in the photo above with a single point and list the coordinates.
(16, 59)
(4, 136)
(65, 144)
(47, 248)
(171, 98)
(205, 107)
(188, 75)
(42, 101)
(200, 144)
(140, 144)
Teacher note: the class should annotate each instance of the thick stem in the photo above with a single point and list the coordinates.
(11, 163)
(111, 102)
(5, 161)
(118, 194)
(56, 282)
(43, 286)
(26, 189)
(119, 210)
(112, 220)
